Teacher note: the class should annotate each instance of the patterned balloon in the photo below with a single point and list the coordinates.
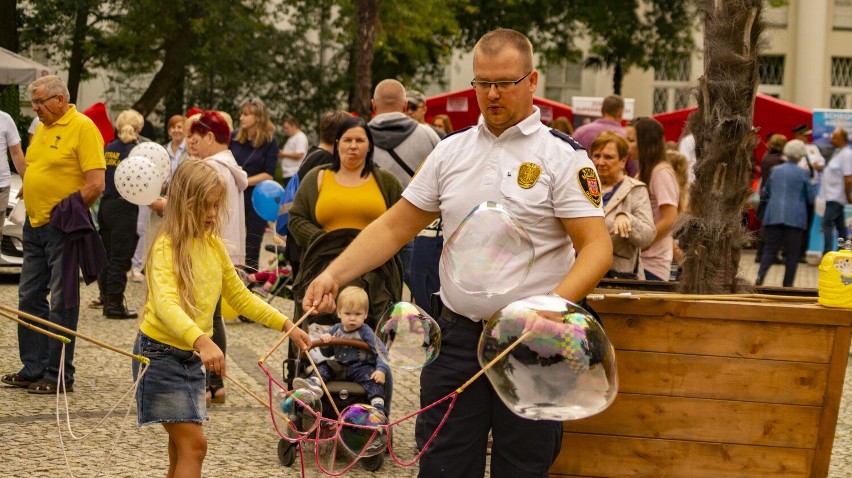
(564, 367)
(156, 153)
(490, 253)
(138, 180)
(363, 430)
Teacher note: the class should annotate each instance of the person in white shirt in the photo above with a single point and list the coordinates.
(294, 150)
(549, 184)
(836, 189)
(10, 141)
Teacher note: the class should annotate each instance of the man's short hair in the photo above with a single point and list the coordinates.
(842, 134)
(389, 95)
(613, 105)
(493, 43)
(330, 123)
(290, 119)
(52, 84)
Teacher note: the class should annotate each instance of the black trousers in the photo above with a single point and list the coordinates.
(255, 228)
(521, 449)
(117, 221)
(779, 236)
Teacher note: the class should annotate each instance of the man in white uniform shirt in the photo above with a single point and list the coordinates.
(836, 188)
(550, 186)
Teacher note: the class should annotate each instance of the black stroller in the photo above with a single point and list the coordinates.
(384, 288)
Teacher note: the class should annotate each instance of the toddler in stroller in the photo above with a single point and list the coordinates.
(361, 366)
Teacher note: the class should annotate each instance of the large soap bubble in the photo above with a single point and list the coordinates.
(302, 408)
(410, 338)
(157, 154)
(564, 367)
(490, 253)
(138, 180)
(363, 430)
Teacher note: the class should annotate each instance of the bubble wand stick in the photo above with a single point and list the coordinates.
(286, 334)
(61, 338)
(68, 331)
(322, 382)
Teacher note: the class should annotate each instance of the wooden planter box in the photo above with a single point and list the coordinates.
(715, 389)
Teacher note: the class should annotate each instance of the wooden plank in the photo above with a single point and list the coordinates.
(681, 375)
(623, 457)
(786, 313)
(757, 340)
(831, 408)
(694, 419)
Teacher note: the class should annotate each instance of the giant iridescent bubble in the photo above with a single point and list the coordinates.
(563, 368)
(302, 408)
(410, 339)
(363, 430)
(490, 253)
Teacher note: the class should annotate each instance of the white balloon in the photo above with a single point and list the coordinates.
(138, 180)
(156, 153)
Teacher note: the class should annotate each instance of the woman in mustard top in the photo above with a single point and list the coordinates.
(349, 193)
(188, 268)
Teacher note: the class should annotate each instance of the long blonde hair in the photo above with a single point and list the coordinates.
(263, 127)
(129, 123)
(193, 183)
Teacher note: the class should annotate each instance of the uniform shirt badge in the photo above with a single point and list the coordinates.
(528, 174)
(589, 183)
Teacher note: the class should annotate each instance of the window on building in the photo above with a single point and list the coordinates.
(672, 88)
(841, 83)
(771, 69)
(842, 15)
(564, 80)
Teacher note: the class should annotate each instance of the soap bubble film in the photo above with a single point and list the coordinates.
(490, 253)
(302, 407)
(411, 339)
(363, 430)
(564, 368)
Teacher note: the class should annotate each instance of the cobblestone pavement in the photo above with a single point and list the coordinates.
(242, 442)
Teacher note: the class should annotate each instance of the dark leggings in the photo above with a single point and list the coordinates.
(221, 341)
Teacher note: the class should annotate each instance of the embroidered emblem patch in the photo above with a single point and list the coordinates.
(589, 183)
(528, 174)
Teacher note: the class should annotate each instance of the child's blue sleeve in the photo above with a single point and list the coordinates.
(367, 335)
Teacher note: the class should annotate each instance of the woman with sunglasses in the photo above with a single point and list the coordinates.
(256, 150)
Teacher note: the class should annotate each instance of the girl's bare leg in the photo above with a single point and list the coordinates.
(190, 448)
(172, 458)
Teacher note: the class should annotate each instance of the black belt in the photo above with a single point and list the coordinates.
(444, 312)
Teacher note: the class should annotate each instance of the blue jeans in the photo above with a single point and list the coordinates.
(41, 274)
(833, 219)
(425, 257)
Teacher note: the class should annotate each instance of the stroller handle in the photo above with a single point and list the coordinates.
(344, 342)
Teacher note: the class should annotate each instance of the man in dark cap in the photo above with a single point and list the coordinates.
(813, 162)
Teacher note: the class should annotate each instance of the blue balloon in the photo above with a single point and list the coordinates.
(267, 198)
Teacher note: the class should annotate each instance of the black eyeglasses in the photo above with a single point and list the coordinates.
(502, 86)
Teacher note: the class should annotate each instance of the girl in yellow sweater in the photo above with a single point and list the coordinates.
(188, 269)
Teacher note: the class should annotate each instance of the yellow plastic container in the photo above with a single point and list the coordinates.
(835, 279)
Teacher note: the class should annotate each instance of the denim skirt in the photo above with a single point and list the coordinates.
(173, 387)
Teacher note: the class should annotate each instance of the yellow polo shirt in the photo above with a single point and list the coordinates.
(57, 159)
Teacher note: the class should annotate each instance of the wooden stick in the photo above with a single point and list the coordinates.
(287, 334)
(322, 383)
(68, 331)
(720, 297)
(28, 325)
(495, 360)
(254, 396)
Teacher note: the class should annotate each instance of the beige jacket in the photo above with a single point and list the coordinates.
(632, 199)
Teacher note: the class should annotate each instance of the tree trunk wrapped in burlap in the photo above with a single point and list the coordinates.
(711, 234)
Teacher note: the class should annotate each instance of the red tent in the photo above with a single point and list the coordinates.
(463, 110)
(771, 115)
(98, 113)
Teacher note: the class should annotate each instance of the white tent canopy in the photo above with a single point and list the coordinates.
(18, 70)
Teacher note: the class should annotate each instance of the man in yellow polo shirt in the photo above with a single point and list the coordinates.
(66, 156)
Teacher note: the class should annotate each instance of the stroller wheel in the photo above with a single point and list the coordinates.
(286, 452)
(373, 463)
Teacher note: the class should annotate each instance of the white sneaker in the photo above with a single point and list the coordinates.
(310, 383)
(136, 275)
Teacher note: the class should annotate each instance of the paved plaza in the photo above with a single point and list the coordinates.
(242, 442)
